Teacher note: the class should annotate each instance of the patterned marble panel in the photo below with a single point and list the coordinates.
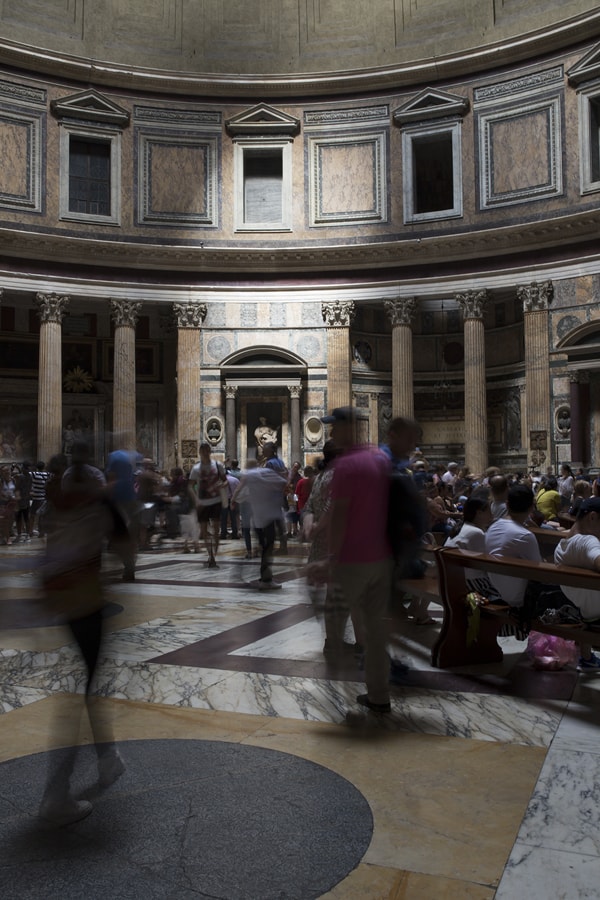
(540, 873)
(14, 697)
(564, 811)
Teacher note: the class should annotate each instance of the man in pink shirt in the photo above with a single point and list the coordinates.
(359, 551)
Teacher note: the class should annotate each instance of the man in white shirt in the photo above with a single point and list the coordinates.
(450, 476)
(509, 537)
(582, 550)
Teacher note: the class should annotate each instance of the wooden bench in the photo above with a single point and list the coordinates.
(451, 647)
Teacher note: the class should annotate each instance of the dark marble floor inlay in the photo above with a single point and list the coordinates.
(188, 819)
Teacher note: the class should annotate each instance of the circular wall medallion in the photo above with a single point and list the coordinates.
(218, 347)
(187, 818)
(313, 430)
(213, 430)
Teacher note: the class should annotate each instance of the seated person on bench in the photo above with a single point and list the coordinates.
(509, 537)
(477, 514)
(582, 550)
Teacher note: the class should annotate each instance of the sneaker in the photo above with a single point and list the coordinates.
(589, 665)
(268, 586)
(110, 767)
(363, 700)
(64, 812)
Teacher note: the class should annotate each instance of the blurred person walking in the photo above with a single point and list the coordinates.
(81, 518)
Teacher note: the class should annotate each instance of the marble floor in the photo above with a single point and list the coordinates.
(482, 783)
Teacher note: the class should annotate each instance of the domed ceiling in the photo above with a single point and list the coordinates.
(282, 46)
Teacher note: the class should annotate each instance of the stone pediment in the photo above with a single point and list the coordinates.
(587, 68)
(430, 104)
(91, 106)
(262, 121)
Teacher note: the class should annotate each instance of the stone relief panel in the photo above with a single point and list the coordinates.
(20, 151)
(215, 315)
(520, 152)
(177, 180)
(311, 315)
(348, 179)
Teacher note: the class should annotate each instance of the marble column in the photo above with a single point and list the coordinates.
(536, 299)
(51, 309)
(295, 444)
(472, 304)
(189, 317)
(338, 316)
(230, 422)
(401, 313)
(124, 315)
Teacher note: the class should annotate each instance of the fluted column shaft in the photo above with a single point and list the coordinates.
(536, 299)
(472, 304)
(190, 317)
(51, 309)
(295, 447)
(124, 315)
(401, 314)
(338, 317)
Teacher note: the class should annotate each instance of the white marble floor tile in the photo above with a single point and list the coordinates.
(541, 874)
(155, 683)
(15, 696)
(564, 810)
(301, 641)
(579, 728)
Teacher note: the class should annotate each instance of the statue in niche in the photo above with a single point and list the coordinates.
(263, 434)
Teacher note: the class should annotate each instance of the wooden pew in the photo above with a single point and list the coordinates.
(451, 647)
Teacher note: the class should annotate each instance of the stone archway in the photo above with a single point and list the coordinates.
(263, 383)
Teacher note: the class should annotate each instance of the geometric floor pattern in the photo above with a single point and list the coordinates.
(482, 783)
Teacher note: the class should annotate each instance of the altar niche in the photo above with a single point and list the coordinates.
(264, 422)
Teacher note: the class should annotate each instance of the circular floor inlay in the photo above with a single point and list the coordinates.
(188, 819)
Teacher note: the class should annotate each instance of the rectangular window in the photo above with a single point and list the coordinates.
(432, 172)
(263, 186)
(89, 177)
(90, 174)
(594, 125)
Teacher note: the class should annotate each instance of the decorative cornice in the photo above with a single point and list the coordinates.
(472, 303)
(430, 103)
(125, 313)
(434, 69)
(526, 237)
(91, 106)
(262, 120)
(190, 315)
(339, 313)
(51, 307)
(535, 297)
(401, 311)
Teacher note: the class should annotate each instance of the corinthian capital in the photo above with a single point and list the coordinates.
(535, 296)
(51, 307)
(401, 311)
(189, 315)
(472, 303)
(125, 312)
(339, 313)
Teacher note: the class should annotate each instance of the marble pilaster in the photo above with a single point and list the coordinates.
(230, 422)
(296, 449)
(580, 413)
(472, 304)
(51, 309)
(189, 317)
(401, 313)
(536, 299)
(124, 315)
(338, 316)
